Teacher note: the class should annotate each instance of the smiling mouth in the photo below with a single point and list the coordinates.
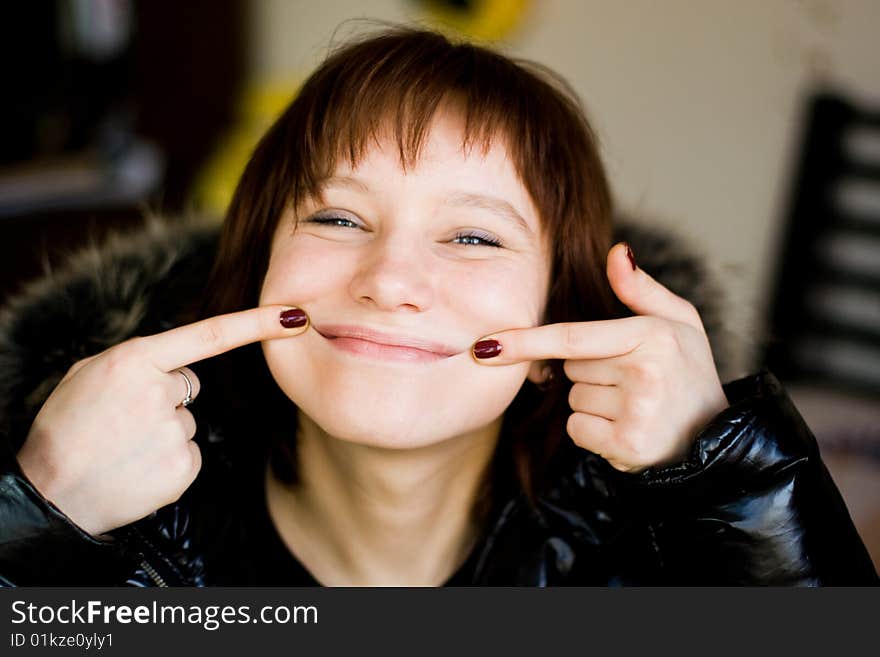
(379, 345)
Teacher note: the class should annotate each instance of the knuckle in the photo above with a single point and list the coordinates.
(570, 425)
(180, 464)
(195, 459)
(641, 408)
(117, 357)
(189, 424)
(211, 335)
(648, 373)
(638, 450)
(131, 348)
(571, 337)
(692, 312)
(665, 336)
(623, 433)
(155, 395)
(171, 432)
(574, 397)
(181, 433)
(574, 428)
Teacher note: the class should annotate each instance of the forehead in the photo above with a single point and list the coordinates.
(444, 164)
(442, 145)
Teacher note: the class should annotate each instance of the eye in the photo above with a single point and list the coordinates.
(465, 238)
(332, 220)
(477, 239)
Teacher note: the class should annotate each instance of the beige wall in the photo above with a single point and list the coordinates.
(696, 103)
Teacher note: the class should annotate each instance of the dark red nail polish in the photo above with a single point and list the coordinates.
(293, 318)
(487, 348)
(632, 258)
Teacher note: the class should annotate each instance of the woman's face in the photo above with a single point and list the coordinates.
(407, 259)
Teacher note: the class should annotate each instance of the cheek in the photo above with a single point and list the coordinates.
(298, 273)
(498, 296)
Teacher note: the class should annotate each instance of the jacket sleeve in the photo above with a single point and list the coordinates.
(754, 504)
(40, 546)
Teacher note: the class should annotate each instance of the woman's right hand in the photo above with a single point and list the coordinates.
(112, 443)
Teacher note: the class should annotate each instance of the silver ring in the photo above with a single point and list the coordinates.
(189, 389)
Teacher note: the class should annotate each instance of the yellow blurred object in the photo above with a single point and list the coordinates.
(482, 20)
(258, 109)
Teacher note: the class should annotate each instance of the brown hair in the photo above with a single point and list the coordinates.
(395, 80)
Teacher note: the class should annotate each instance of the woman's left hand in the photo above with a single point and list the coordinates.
(643, 385)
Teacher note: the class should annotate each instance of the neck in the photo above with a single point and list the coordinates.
(363, 515)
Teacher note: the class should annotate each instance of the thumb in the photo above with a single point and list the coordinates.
(642, 293)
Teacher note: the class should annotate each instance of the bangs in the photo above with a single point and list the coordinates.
(387, 89)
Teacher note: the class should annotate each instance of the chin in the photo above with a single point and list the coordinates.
(393, 407)
(391, 412)
(389, 432)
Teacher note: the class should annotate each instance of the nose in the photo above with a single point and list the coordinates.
(392, 277)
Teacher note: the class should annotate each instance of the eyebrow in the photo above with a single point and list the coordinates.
(458, 198)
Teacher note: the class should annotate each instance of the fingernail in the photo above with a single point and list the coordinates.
(631, 256)
(293, 318)
(487, 348)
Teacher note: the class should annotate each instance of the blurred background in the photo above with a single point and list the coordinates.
(753, 128)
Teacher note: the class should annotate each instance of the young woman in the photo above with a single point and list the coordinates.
(422, 361)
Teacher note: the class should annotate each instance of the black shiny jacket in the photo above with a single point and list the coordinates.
(752, 505)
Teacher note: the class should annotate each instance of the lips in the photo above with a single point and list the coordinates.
(384, 345)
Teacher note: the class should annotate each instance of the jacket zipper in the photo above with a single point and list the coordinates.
(156, 577)
(151, 572)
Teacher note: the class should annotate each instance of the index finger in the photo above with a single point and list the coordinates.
(602, 338)
(213, 336)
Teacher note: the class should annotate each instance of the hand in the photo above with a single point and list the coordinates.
(112, 443)
(643, 385)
